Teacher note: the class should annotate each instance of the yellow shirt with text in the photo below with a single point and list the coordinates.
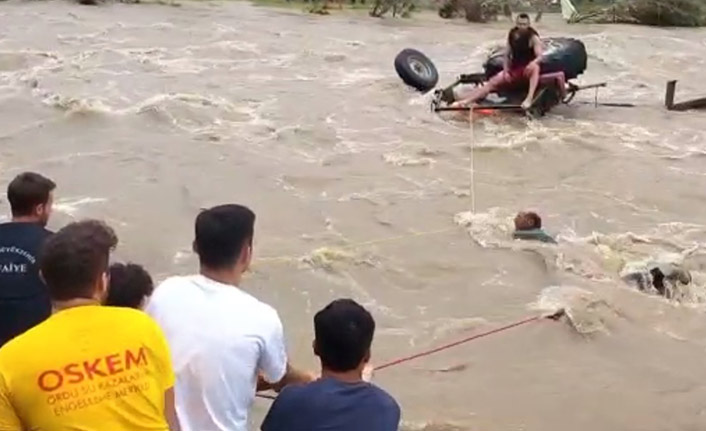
(86, 368)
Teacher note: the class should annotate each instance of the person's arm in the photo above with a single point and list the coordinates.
(291, 376)
(163, 363)
(170, 410)
(538, 49)
(506, 58)
(8, 417)
(275, 372)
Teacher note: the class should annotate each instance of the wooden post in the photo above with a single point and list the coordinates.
(669, 96)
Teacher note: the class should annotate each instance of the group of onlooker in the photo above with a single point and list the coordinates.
(86, 345)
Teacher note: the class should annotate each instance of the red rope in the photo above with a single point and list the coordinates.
(554, 316)
(457, 343)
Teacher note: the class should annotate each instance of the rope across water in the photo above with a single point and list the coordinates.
(553, 316)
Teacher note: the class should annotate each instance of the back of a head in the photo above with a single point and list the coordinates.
(129, 285)
(534, 220)
(28, 190)
(221, 234)
(73, 260)
(344, 333)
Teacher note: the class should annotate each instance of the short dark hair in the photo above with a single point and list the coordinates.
(535, 219)
(523, 16)
(130, 284)
(75, 257)
(344, 332)
(221, 234)
(26, 191)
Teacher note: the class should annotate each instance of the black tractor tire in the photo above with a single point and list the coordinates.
(560, 54)
(416, 70)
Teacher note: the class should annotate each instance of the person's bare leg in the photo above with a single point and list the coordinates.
(531, 72)
(482, 91)
(561, 81)
(559, 77)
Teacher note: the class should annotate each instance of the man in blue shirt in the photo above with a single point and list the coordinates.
(340, 400)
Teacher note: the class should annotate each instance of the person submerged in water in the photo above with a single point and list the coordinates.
(523, 54)
(528, 226)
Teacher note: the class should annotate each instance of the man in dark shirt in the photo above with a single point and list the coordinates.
(340, 400)
(24, 299)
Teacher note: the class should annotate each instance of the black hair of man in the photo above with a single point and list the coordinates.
(523, 16)
(130, 284)
(535, 219)
(28, 190)
(73, 259)
(222, 232)
(343, 335)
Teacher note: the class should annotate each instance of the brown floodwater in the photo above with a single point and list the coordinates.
(144, 114)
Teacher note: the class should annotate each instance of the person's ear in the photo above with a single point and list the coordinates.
(103, 286)
(246, 256)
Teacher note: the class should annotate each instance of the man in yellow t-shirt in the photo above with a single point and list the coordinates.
(88, 367)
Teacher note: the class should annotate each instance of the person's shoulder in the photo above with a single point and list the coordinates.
(27, 343)
(171, 287)
(137, 323)
(297, 394)
(33, 230)
(384, 398)
(261, 309)
(127, 315)
(175, 281)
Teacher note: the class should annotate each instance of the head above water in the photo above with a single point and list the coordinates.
(224, 238)
(74, 261)
(527, 220)
(130, 286)
(343, 335)
(31, 197)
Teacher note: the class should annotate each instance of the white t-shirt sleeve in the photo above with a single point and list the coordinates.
(273, 355)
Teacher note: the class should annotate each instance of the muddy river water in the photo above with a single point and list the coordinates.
(144, 114)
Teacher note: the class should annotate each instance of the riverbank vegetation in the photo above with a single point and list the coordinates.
(678, 13)
(682, 13)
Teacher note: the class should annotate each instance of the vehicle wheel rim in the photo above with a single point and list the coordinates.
(419, 67)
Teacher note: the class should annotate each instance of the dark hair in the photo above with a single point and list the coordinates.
(75, 257)
(344, 332)
(130, 284)
(535, 219)
(523, 16)
(28, 190)
(221, 234)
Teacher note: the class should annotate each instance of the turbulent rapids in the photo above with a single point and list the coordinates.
(143, 114)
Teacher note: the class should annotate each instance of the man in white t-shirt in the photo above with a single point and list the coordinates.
(225, 344)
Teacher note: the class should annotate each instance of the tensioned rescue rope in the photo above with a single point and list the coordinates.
(473, 169)
(554, 316)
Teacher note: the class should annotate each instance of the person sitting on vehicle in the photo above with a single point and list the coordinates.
(130, 286)
(341, 400)
(528, 226)
(522, 56)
